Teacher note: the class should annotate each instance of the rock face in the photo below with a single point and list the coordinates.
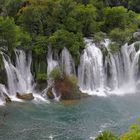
(67, 89)
(7, 98)
(136, 35)
(26, 96)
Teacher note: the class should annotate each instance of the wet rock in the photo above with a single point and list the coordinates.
(25, 96)
(50, 93)
(7, 98)
(67, 89)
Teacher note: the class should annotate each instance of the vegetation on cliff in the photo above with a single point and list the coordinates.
(35, 25)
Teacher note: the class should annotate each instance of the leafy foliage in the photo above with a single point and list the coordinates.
(56, 73)
(120, 36)
(106, 135)
(114, 47)
(133, 134)
(36, 24)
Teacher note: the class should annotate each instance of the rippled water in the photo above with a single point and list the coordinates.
(79, 120)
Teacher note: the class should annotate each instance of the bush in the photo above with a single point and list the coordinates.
(99, 36)
(121, 36)
(56, 73)
(106, 135)
(73, 80)
(133, 134)
(114, 47)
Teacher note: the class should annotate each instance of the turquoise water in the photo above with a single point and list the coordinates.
(79, 120)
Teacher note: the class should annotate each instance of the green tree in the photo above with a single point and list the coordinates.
(117, 17)
(121, 36)
(86, 18)
(8, 33)
(63, 38)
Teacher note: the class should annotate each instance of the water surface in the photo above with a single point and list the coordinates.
(79, 120)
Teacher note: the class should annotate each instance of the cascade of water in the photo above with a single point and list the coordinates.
(119, 70)
(23, 65)
(135, 69)
(67, 62)
(19, 77)
(3, 91)
(51, 62)
(90, 72)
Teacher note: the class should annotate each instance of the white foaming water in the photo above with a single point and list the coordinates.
(90, 72)
(67, 65)
(67, 62)
(51, 62)
(19, 77)
(113, 75)
(97, 74)
(24, 75)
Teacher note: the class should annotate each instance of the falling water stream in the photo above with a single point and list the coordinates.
(120, 70)
(116, 73)
(97, 74)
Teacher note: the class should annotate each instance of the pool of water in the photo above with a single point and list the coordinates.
(74, 120)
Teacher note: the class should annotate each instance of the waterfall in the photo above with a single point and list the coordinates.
(51, 62)
(19, 77)
(98, 73)
(91, 72)
(67, 62)
(113, 75)
(3, 91)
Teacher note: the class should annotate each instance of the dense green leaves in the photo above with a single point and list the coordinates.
(133, 134)
(118, 17)
(63, 38)
(106, 135)
(36, 24)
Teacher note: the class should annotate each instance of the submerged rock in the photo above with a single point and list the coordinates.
(7, 98)
(25, 96)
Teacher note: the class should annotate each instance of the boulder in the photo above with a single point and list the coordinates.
(25, 96)
(67, 89)
(7, 98)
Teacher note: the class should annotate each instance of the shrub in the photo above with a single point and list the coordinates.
(106, 135)
(114, 47)
(99, 36)
(133, 134)
(120, 36)
(56, 73)
(73, 80)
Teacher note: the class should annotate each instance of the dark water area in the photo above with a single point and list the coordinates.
(78, 120)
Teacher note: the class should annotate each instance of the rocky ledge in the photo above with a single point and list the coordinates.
(25, 96)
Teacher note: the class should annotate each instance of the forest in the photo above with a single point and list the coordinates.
(36, 24)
